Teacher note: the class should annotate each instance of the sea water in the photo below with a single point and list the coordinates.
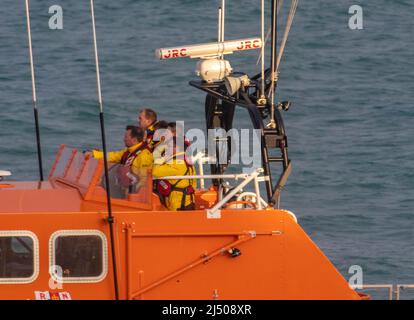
(350, 129)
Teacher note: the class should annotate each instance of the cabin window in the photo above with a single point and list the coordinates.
(78, 256)
(19, 257)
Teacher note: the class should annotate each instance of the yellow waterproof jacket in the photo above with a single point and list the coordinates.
(174, 167)
(159, 151)
(150, 135)
(142, 162)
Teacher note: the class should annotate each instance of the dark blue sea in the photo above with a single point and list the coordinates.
(350, 129)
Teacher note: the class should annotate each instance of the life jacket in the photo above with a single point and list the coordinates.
(150, 136)
(187, 143)
(125, 177)
(164, 188)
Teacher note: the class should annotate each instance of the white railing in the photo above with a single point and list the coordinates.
(214, 212)
(389, 287)
(400, 287)
(201, 158)
(251, 195)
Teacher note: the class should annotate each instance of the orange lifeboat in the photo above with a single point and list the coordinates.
(63, 238)
(54, 242)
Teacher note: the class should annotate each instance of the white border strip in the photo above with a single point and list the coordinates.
(31, 235)
(52, 259)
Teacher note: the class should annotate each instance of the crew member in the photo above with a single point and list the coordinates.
(175, 194)
(160, 139)
(178, 131)
(147, 119)
(135, 159)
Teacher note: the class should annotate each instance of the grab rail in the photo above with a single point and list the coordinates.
(390, 287)
(402, 287)
(214, 212)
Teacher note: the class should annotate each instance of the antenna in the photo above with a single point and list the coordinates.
(223, 14)
(220, 12)
(274, 66)
(262, 99)
(35, 112)
(101, 117)
(270, 30)
(219, 29)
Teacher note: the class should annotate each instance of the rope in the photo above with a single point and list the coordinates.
(269, 32)
(289, 22)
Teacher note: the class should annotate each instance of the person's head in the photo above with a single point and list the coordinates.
(146, 117)
(177, 148)
(173, 151)
(133, 135)
(161, 125)
(172, 126)
(176, 128)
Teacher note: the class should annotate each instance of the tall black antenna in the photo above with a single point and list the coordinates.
(101, 117)
(36, 114)
(273, 64)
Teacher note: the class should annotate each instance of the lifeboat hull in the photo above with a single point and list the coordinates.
(245, 254)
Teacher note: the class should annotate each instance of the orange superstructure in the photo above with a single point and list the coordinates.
(243, 254)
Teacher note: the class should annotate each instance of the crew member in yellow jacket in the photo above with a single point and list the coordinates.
(147, 121)
(136, 158)
(175, 194)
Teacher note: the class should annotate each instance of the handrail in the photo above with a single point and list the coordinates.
(214, 213)
(241, 238)
(390, 288)
(251, 194)
(206, 176)
(201, 158)
(401, 287)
